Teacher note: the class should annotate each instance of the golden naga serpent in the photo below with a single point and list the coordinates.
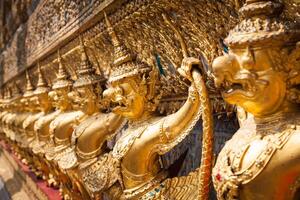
(204, 172)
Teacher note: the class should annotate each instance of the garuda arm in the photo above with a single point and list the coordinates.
(176, 126)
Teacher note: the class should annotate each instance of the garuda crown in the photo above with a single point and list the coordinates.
(262, 26)
(86, 72)
(42, 86)
(29, 87)
(124, 64)
(63, 78)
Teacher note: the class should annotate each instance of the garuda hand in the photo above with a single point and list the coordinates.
(187, 65)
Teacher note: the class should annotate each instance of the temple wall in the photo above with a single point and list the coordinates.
(57, 24)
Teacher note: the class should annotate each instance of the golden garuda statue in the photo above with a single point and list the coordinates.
(18, 110)
(28, 134)
(62, 126)
(134, 170)
(34, 109)
(22, 113)
(41, 126)
(261, 75)
(10, 116)
(4, 111)
(81, 149)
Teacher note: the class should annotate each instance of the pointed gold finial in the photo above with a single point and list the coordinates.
(29, 87)
(63, 78)
(84, 58)
(17, 90)
(114, 38)
(5, 93)
(2, 94)
(41, 79)
(124, 64)
(42, 86)
(121, 53)
(8, 93)
(86, 72)
(62, 72)
(7, 96)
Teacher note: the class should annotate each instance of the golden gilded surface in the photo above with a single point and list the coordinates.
(105, 105)
(148, 136)
(260, 74)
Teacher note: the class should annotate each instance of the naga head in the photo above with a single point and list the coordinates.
(131, 82)
(260, 68)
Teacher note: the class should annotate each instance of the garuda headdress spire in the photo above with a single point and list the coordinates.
(124, 64)
(42, 86)
(29, 87)
(8, 94)
(17, 92)
(63, 77)
(86, 72)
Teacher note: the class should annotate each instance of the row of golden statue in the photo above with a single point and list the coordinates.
(101, 139)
